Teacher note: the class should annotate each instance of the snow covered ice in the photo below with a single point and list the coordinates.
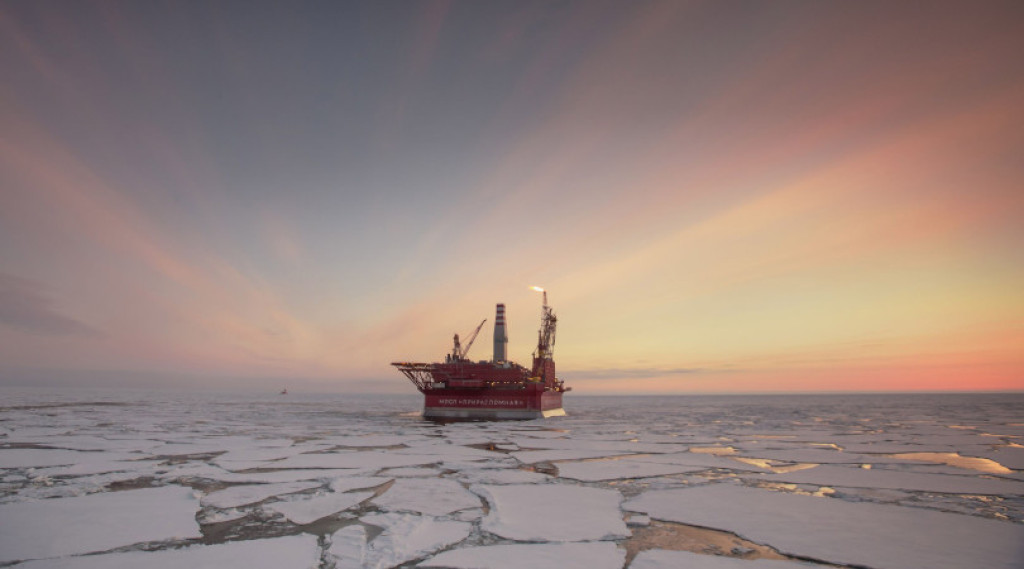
(61, 526)
(586, 555)
(553, 512)
(105, 479)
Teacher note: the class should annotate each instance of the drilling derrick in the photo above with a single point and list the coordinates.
(543, 356)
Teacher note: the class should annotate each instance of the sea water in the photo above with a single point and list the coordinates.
(99, 478)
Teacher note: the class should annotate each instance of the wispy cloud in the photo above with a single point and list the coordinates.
(25, 306)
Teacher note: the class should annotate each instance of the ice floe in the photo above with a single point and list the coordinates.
(344, 484)
(253, 493)
(535, 456)
(665, 559)
(586, 555)
(98, 522)
(829, 529)
(271, 476)
(353, 459)
(296, 552)
(595, 470)
(406, 537)
(896, 480)
(36, 458)
(552, 512)
(434, 496)
(243, 459)
(1010, 457)
(308, 510)
(502, 476)
(702, 461)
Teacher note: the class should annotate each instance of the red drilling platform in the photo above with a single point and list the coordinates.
(460, 388)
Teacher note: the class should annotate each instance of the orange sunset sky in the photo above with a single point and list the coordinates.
(719, 196)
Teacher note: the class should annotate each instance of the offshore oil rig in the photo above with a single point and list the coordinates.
(460, 388)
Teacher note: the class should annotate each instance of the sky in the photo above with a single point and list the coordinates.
(721, 196)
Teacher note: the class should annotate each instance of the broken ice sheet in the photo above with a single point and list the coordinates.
(296, 551)
(817, 456)
(36, 458)
(596, 470)
(553, 512)
(434, 496)
(346, 483)
(275, 476)
(587, 555)
(412, 472)
(352, 459)
(597, 444)
(405, 537)
(1010, 457)
(89, 443)
(704, 461)
(98, 522)
(253, 493)
(373, 440)
(666, 559)
(852, 477)
(829, 529)
(308, 510)
(502, 476)
(535, 456)
(100, 465)
(245, 458)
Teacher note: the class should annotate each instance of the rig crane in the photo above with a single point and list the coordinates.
(458, 352)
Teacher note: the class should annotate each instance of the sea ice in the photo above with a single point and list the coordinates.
(553, 512)
(586, 555)
(502, 476)
(308, 510)
(98, 522)
(412, 472)
(851, 477)
(275, 476)
(434, 496)
(704, 461)
(90, 443)
(35, 458)
(188, 449)
(346, 483)
(243, 459)
(596, 470)
(253, 493)
(405, 537)
(665, 559)
(1010, 457)
(817, 456)
(613, 446)
(348, 547)
(353, 459)
(370, 440)
(535, 456)
(296, 551)
(829, 529)
(447, 451)
(99, 465)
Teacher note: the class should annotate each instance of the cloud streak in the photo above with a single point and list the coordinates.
(25, 306)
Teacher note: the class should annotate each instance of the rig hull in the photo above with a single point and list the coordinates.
(491, 403)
